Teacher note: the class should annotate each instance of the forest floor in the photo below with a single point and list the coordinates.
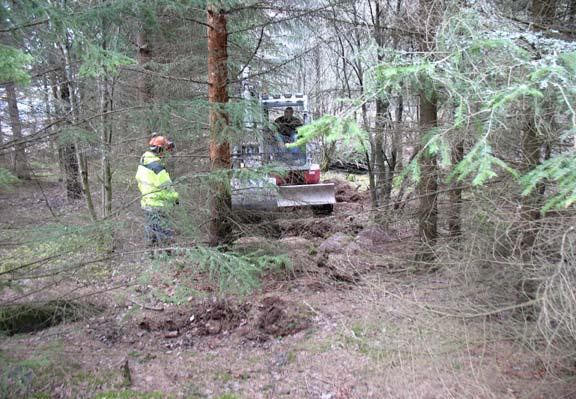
(350, 319)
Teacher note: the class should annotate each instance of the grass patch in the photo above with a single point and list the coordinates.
(42, 376)
(223, 376)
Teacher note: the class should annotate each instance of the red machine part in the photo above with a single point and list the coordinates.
(311, 176)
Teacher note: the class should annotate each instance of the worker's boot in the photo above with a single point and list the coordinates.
(153, 250)
(168, 243)
(167, 252)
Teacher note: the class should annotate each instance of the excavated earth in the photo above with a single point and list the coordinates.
(271, 317)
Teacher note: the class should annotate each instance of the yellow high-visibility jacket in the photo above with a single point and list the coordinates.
(154, 183)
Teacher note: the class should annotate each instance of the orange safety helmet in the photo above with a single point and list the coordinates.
(158, 143)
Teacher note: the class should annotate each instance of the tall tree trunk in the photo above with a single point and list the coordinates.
(60, 148)
(68, 150)
(318, 82)
(327, 149)
(72, 104)
(106, 142)
(370, 156)
(427, 190)
(49, 119)
(220, 226)
(20, 162)
(386, 137)
(428, 186)
(531, 145)
(379, 150)
(106, 106)
(2, 154)
(145, 85)
(380, 123)
(397, 144)
(455, 212)
(543, 11)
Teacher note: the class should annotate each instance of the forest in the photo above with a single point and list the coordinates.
(324, 199)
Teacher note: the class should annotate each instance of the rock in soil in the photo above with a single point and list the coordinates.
(335, 244)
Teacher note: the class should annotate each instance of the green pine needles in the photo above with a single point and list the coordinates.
(490, 79)
(235, 272)
(13, 65)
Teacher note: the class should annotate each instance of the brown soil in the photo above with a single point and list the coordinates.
(272, 317)
(280, 318)
(346, 192)
(197, 320)
(306, 228)
(312, 228)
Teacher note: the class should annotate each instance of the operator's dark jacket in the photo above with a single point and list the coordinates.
(287, 125)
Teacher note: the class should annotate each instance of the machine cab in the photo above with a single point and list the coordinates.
(263, 142)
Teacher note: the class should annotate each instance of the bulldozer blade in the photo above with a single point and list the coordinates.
(257, 199)
(259, 194)
(306, 194)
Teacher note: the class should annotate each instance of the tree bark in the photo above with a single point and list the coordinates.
(106, 142)
(220, 226)
(427, 190)
(106, 106)
(543, 12)
(380, 124)
(68, 150)
(386, 138)
(57, 109)
(379, 150)
(20, 161)
(72, 105)
(428, 186)
(145, 85)
(49, 119)
(455, 212)
(2, 154)
(531, 203)
(397, 143)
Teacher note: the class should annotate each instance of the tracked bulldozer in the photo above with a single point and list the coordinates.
(295, 181)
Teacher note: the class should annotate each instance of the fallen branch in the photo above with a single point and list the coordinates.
(159, 309)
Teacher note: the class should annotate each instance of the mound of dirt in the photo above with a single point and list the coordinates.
(346, 192)
(280, 318)
(208, 318)
(219, 317)
(306, 228)
(273, 317)
(313, 228)
(276, 317)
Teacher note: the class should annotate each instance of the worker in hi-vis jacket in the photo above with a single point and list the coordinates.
(158, 194)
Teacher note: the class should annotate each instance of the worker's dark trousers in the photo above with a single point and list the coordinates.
(158, 230)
